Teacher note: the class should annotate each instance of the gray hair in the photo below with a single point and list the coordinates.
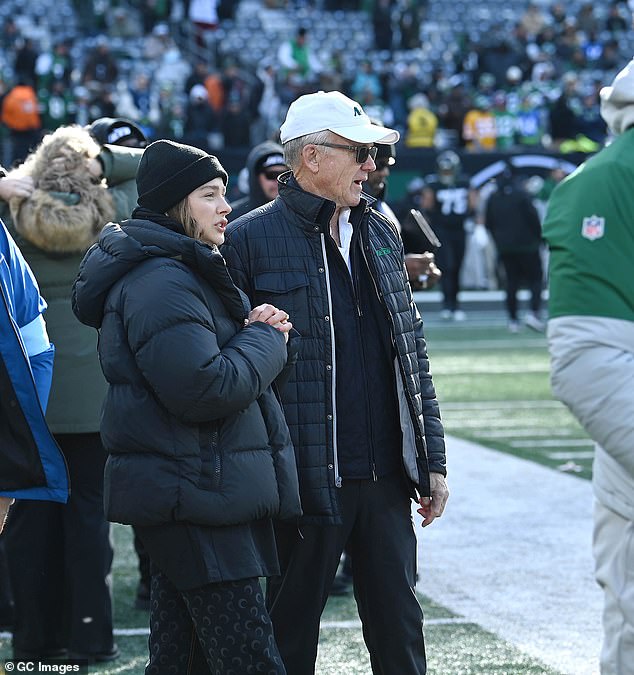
(293, 148)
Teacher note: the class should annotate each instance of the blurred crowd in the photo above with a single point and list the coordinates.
(221, 74)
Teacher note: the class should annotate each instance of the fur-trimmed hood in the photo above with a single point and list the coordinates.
(69, 206)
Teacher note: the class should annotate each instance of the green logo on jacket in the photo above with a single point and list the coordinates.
(384, 251)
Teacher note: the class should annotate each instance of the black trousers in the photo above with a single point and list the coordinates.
(219, 629)
(525, 267)
(449, 258)
(378, 532)
(60, 558)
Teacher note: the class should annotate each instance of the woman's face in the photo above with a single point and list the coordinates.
(210, 209)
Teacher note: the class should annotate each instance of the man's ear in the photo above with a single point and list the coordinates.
(310, 158)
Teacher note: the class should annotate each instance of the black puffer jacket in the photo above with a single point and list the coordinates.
(194, 431)
(277, 254)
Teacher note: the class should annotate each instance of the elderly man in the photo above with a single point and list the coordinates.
(360, 403)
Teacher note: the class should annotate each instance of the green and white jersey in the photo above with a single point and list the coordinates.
(589, 228)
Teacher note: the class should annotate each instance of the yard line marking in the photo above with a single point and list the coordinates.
(581, 454)
(493, 370)
(452, 345)
(480, 426)
(529, 433)
(356, 623)
(555, 443)
(496, 405)
(326, 625)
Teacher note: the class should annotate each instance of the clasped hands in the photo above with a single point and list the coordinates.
(275, 317)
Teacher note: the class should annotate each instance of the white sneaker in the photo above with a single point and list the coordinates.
(459, 315)
(514, 327)
(446, 314)
(534, 323)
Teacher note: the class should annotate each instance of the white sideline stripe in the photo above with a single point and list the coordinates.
(581, 454)
(554, 443)
(512, 553)
(496, 405)
(475, 343)
(529, 433)
(356, 623)
(324, 625)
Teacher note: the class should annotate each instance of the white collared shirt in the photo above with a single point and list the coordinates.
(345, 236)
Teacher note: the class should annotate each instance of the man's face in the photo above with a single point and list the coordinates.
(268, 179)
(375, 184)
(340, 178)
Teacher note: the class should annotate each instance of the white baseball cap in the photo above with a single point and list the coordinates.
(332, 111)
(617, 101)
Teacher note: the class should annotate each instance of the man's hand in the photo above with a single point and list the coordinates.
(5, 503)
(16, 187)
(432, 507)
(421, 270)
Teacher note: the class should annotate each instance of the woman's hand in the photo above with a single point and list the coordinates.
(275, 317)
(16, 187)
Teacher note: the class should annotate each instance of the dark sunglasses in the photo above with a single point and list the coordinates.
(363, 151)
(273, 175)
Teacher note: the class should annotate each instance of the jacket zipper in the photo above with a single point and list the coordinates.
(398, 355)
(215, 480)
(356, 286)
(335, 452)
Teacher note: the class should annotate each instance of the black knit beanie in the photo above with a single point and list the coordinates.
(169, 171)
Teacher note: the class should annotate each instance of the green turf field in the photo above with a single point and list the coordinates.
(493, 388)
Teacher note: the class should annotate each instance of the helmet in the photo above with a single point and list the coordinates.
(448, 164)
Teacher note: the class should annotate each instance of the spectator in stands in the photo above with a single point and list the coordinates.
(25, 59)
(57, 106)
(265, 164)
(54, 225)
(615, 21)
(203, 496)
(236, 123)
(55, 66)
(533, 20)
(452, 110)
(562, 116)
(588, 228)
(447, 201)
(516, 230)
(319, 245)
(422, 123)
(299, 65)
(588, 120)
(532, 120)
(270, 104)
(200, 119)
(101, 66)
(20, 114)
(382, 25)
(479, 129)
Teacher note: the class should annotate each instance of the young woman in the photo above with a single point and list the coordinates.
(200, 458)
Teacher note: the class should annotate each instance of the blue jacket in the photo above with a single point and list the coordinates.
(31, 464)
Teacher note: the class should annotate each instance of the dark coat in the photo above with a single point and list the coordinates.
(195, 434)
(277, 254)
(513, 220)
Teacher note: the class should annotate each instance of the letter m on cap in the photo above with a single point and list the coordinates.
(357, 111)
